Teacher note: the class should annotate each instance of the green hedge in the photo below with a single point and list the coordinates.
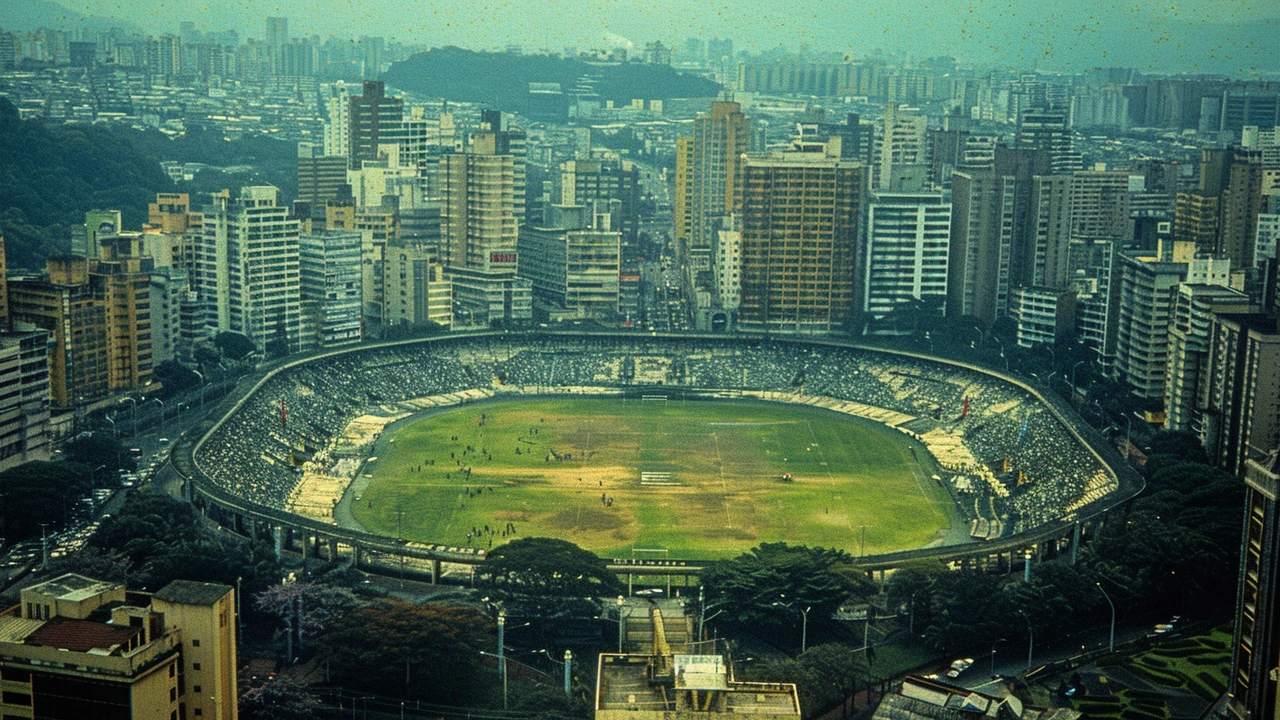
(1213, 682)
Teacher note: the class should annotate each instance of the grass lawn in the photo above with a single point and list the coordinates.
(544, 465)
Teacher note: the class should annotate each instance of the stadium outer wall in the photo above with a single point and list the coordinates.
(250, 518)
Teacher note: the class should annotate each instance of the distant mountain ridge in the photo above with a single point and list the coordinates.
(502, 79)
(26, 15)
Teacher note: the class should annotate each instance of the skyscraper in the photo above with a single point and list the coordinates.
(247, 268)
(981, 248)
(479, 231)
(708, 166)
(908, 243)
(372, 119)
(800, 224)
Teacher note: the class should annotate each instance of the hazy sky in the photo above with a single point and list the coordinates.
(1049, 32)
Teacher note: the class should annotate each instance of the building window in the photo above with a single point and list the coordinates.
(197, 688)
(173, 669)
(195, 643)
(195, 666)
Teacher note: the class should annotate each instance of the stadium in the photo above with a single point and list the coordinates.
(982, 463)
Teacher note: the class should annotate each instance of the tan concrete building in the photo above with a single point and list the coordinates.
(76, 648)
(708, 167)
(63, 303)
(800, 224)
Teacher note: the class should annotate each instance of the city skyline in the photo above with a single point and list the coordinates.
(1191, 37)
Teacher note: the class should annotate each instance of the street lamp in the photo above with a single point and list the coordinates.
(993, 656)
(161, 414)
(1111, 647)
(134, 413)
(568, 667)
(804, 624)
(622, 622)
(1031, 638)
(702, 613)
(203, 385)
(1073, 377)
(502, 667)
(114, 433)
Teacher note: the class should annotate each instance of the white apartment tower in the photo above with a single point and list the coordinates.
(248, 268)
(908, 240)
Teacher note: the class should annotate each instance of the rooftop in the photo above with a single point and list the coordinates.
(189, 592)
(83, 636)
(72, 587)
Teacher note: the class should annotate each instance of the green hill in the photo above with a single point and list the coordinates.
(501, 80)
(50, 175)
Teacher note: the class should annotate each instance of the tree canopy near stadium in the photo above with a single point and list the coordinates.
(771, 585)
(548, 567)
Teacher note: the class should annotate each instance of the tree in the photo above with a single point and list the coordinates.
(175, 377)
(90, 562)
(38, 492)
(547, 567)
(166, 540)
(279, 698)
(315, 606)
(233, 345)
(429, 652)
(768, 586)
(97, 449)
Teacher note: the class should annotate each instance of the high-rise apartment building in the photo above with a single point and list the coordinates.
(573, 260)
(904, 161)
(800, 223)
(122, 277)
(479, 232)
(1241, 203)
(981, 246)
(319, 177)
(373, 118)
(63, 302)
(24, 397)
(416, 292)
(1043, 315)
(1195, 219)
(335, 98)
(1050, 132)
(1241, 399)
(708, 167)
(1194, 309)
(611, 184)
(1253, 692)
(908, 245)
(1100, 204)
(1147, 288)
(331, 288)
(247, 268)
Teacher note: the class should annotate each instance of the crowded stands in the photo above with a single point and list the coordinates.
(1009, 459)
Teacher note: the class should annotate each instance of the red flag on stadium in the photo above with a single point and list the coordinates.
(284, 417)
(963, 414)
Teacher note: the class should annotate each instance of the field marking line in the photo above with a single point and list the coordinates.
(724, 485)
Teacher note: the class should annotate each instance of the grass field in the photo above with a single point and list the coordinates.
(544, 465)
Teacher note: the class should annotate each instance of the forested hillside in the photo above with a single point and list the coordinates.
(50, 175)
(502, 79)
